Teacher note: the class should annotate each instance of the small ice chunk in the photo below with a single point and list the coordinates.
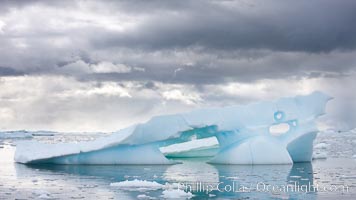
(143, 196)
(176, 194)
(319, 155)
(321, 146)
(42, 194)
(137, 185)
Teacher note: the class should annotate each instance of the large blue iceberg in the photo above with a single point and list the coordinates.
(268, 132)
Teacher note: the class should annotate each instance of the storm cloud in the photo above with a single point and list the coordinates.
(71, 61)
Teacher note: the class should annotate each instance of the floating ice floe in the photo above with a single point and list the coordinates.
(23, 134)
(268, 132)
(176, 194)
(321, 146)
(137, 185)
(42, 194)
(143, 196)
(15, 134)
(319, 155)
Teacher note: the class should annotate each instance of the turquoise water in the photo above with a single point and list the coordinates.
(337, 174)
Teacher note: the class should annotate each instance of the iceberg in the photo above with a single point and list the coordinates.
(267, 132)
(22, 134)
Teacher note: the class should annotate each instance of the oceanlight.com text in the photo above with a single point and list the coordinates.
(261, 187)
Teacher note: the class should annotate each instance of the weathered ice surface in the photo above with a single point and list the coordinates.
(268, 132)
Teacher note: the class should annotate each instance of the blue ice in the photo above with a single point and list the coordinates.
(268, 132)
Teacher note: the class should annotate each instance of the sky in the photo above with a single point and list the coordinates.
(103, 65)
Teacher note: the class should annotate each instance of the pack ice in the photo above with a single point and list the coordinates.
(268, 132)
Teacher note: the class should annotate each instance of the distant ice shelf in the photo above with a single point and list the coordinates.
(15, 134)
(268, 132)
(24, 134)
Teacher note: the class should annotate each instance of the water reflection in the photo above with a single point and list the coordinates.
(264, 181)
(256, 179)
(191, 172)
(88, 181)
(109, 172)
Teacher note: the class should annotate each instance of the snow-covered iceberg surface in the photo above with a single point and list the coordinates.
(269, 132)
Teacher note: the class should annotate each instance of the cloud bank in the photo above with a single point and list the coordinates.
(102, 65)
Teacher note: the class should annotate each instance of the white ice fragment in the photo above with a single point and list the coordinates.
(137, 185)
(176, 194)
(42, 194)
(320, 155)
(321, 146)
(143, 196)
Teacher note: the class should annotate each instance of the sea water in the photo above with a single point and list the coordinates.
(334, 178)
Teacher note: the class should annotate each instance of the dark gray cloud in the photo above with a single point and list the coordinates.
(225, 40)
(7, 71)
(179, 54)
(210, 69)
(311, 26)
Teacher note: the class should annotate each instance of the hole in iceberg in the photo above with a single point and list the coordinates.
(278, 116)
(279, 129)
(294, 123)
